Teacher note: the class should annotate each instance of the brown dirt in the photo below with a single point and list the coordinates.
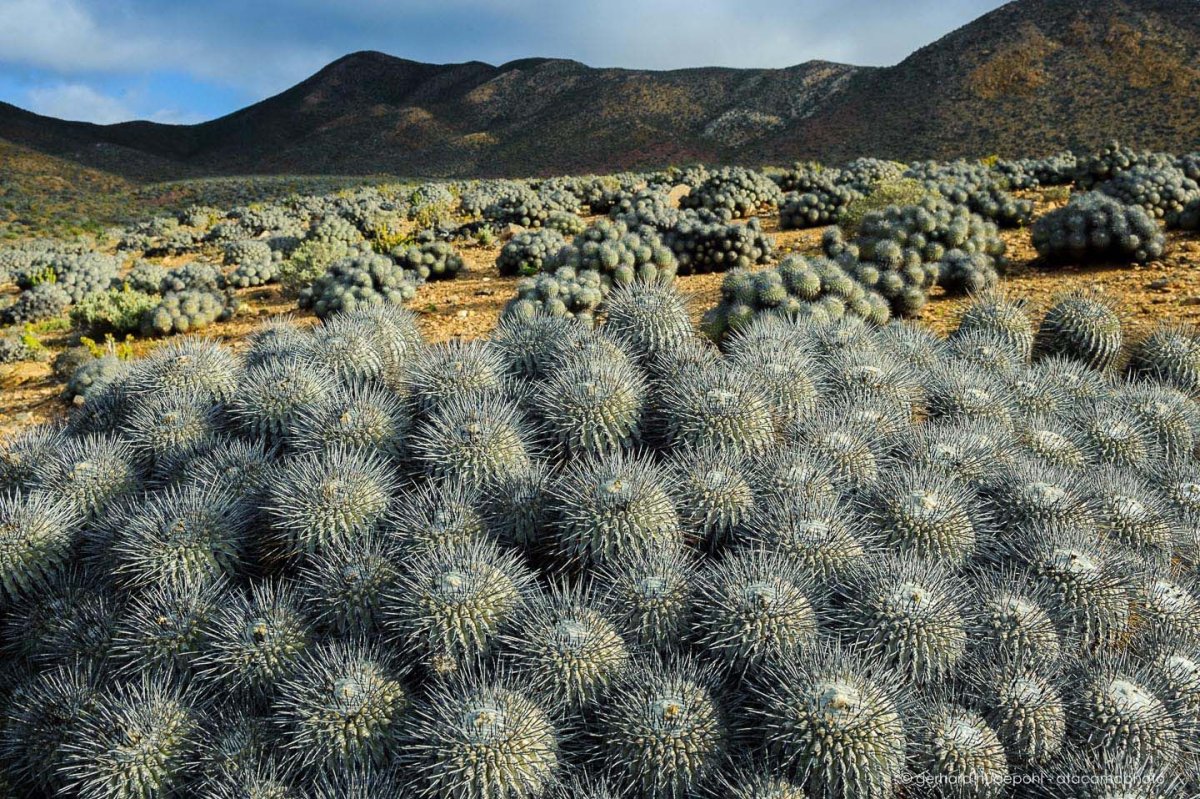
(468, 307)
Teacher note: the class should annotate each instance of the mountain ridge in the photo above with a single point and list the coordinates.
(1030, 77)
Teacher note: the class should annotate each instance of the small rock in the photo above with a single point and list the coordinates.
(1158, 285)
(485, 293)
(1192, 300)
(463, 314)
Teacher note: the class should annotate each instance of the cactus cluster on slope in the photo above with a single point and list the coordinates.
(829, 558)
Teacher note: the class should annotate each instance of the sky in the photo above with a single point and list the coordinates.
(185, 61)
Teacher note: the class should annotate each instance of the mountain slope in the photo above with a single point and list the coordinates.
(370, 112)
(1032, 77)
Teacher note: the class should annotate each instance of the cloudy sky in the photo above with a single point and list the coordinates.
(181, 61)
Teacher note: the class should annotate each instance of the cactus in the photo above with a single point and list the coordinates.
(835, 721)
(1085, 329)
(343, 587)
(141, 741)
(955, 744)
(342, 706)
(564, 646)
(648, 317)
(717, 408)
(474, 440)
(320, 498)
(45, 713)
(255, 639)
(816, 533)
(916, 511)
(712, 497)
(662, 732)
(650, 595)
(480, 738)
(37, 532)
(1024, 706)
(606, 508)
(455, 371)
(436, 513)
(274, 393)
(451, 602)
(755, 608)
(908, 612)
(166, 626)
(591, 407)
(1170, 354)
(1012, 623)
(91, 472)
(1116, 711)
(181, 533)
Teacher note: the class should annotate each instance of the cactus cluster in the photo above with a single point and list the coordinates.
(737, 191)
(1096, 227)
(832, 555)
(529, 252)
(799, 289)
(1163, 192)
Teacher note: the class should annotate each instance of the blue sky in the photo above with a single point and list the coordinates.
(181, 61)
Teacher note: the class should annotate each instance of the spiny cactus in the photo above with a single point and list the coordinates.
(478, 441)
(650, 595)
(954, 744)
(1011, 622)
(342, 706)
(37, 532)
(343, 587)
(140, 741)
(1117, 711)
(817, 533)
(1131, 515)
(1170, 354)
(166, 429)
(166, 626)
(755, 608)
(274, 393)
(608, 507)
(662, 732)
(450, 602)
(45, 713)
(916, 511)
(254, 640)
(1089, 583)
(1082, 328)
(717, 408)
(319, 498)
(591, 407)
(180, 533)
(455, 370)
(649, 317)
(435, 513)
(713, 496)
(91, 472)
(835, 721)
(1025, 707)
(908, 612)
(483, 738)
(564, 646)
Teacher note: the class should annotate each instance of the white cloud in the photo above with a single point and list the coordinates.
(77, 101)
(82, 103)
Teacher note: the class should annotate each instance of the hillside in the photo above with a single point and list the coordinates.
(1033, 76)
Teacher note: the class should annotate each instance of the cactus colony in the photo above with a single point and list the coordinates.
(828, 559)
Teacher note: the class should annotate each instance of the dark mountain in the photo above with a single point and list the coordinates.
(1033, 76)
